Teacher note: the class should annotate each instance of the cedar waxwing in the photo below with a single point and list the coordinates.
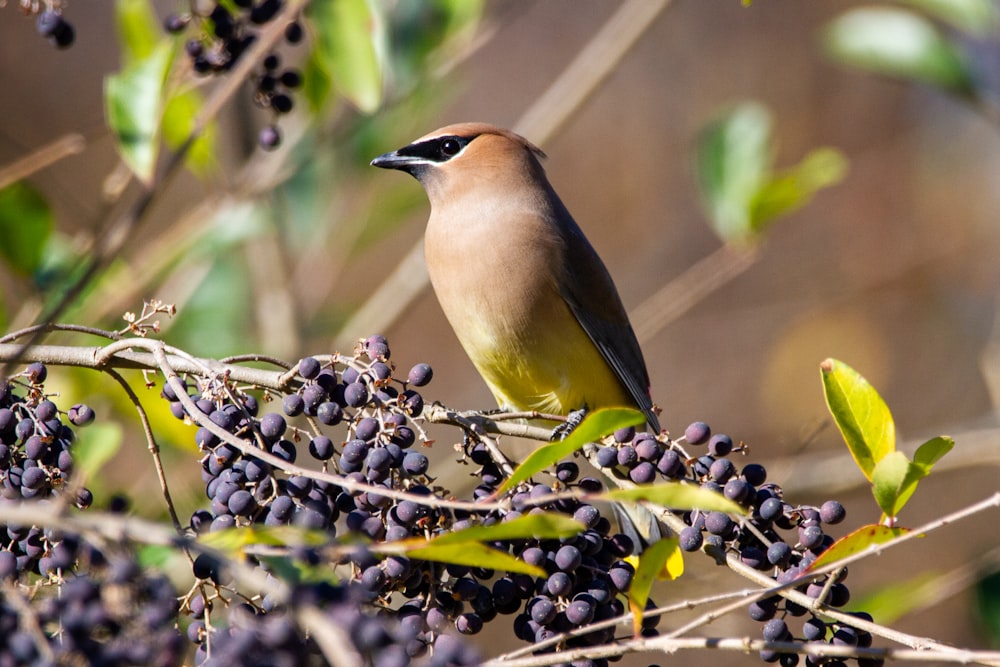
(528, 297)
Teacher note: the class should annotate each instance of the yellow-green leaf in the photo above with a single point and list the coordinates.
(734, 158)
(25, 226)
(859, 540)
(931, 452)
(889, 482)
(860, 413)
(96, 445)
(898, 43)
(595, 426)
(890, 602)
(676, 496)
(976, 16)
(234, 539)
(138, 29)
(794, 187)
(178, 121)
(133, 101)
(474, 554)
(541, 526)
(660, 560)
(349, 40)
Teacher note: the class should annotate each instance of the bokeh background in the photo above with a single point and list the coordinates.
(895, 270)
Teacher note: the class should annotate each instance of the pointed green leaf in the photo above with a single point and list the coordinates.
(234, 539)
(652, 563)
(138, 29)
(863, 538)
(349, 40)
(893, 483)
(96, 445)
(932, 451)
(133, 101)
(898, 43)
(676, 496)
(897, 492)
(595, 426)
(541, 526)
(178, 121)
(25, 226)
(474, 554)
(796, 186)
(860, 413)
(734, 160)
(978, 17)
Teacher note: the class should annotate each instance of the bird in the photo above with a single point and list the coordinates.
(526, 294)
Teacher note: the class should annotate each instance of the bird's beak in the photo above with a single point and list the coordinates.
(393, 160)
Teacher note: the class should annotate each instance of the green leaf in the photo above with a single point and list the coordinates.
(978, 17)
(898, 43)
(25, 226)
(857, 541)
(860, 413)
(796, 186)
(474, 554)
(178, 121)
(138, 29)
(653, 562)
(349, 40)
(541, 526)
(133, 104)
(892, 601)
(932, 451)
(895, 492)
(234, 539)
(893, 482)
(987, 590)
(734, 158)
(595, 426)
(96, 445)
(676, 496)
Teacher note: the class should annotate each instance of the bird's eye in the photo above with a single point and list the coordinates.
(450, 147)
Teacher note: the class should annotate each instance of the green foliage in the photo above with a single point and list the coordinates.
(466, 547)
(133, 105)
(861, 415)
(742, 193)
(857, 541)
(870, 433)
(95, 446)
(899, 43)
(987, 591)
(347, 54)
(595, 426)
(25, 225)
(676, 496)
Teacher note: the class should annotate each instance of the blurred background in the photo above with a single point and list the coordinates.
(893, 268)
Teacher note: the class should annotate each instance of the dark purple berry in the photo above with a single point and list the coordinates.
(697, 433)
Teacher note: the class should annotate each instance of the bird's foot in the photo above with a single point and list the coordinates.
(573, 420)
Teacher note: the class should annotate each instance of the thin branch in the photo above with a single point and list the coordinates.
(154, 448)
(40, 158)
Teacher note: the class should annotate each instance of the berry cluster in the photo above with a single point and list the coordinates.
(35, 464)
(375, 411)
(224, 32)
(110, 613)
(760, 541)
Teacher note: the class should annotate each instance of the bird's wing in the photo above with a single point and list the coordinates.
(591, 295)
